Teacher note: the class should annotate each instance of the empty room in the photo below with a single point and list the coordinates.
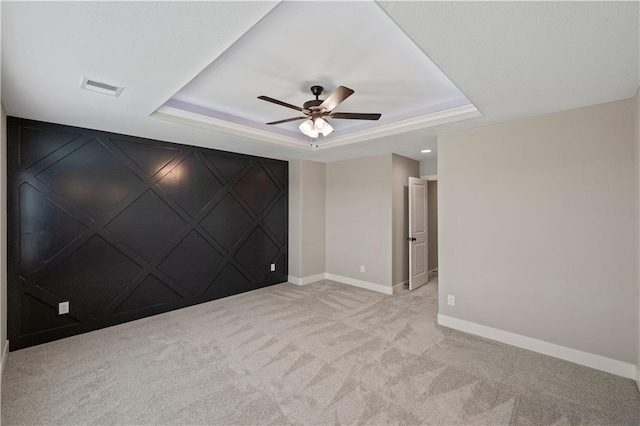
(314, 212)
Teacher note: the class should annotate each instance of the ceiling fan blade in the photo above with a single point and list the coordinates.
(355, 116)
(334, 99)
(288, 120)
(284, 104)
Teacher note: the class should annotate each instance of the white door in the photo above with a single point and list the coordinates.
(418, 248)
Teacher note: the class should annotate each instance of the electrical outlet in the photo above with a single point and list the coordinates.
(361, 268)
(273, 267)
(451, 300)
(63, 308)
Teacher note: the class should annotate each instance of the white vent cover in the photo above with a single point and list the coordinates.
(104, 88)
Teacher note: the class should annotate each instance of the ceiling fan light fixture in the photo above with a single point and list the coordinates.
(307, 127)
(321, 125)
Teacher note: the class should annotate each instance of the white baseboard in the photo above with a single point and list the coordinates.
(3, 361)
(294, 280)
(346, 280)
(359, 283)
(306, 280)
(587, 359)
(399, 286)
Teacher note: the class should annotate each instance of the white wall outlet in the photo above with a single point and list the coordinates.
(361, 268)
(451, 300)
(63, 308)
(273, 267)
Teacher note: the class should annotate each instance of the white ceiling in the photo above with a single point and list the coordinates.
(511, 59)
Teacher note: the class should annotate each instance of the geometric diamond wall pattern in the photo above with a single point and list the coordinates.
(124, 227)
(257, 188)
(92, 277)
(191, 184)
(146, 225)
(40, 215)
(80, 178)
(227, 221)
(193, 263)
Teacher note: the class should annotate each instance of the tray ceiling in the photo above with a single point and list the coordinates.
(354, 44)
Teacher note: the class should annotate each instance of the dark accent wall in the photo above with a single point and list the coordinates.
(124, 227)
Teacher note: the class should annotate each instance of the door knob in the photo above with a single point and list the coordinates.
(410, 239)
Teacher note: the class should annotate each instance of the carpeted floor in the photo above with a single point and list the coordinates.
(325, 353)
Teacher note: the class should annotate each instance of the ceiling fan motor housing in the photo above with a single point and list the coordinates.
(312, 104)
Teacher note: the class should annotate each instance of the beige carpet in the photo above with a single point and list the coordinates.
(325, 353)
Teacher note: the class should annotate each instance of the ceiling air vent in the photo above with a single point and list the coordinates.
(104, 88)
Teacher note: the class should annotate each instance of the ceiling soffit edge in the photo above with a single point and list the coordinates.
(182, 116)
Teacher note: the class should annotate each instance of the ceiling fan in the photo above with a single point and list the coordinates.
(317, 110)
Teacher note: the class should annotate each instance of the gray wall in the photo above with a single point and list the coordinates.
(402, 168)
(313, 218)
(295, 219)
(535, 226)
(432, 194)
(429, 167)
(306, 218)
(359, 218)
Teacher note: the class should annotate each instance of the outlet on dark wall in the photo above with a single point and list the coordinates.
(123, 227)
